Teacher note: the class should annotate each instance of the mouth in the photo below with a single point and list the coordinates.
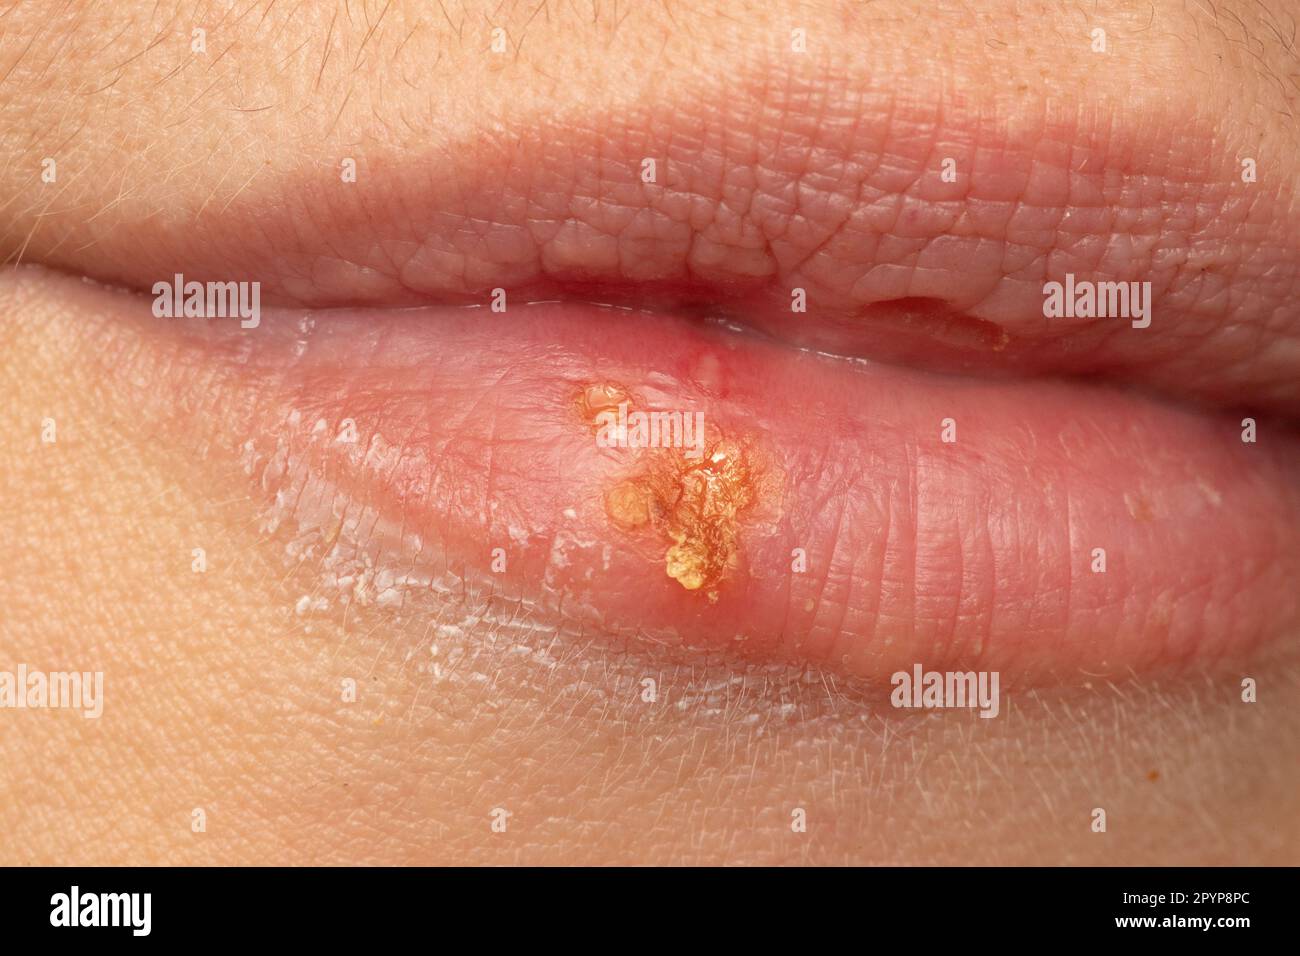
(794, 395)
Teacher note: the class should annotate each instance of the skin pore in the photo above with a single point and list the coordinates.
(227, 689)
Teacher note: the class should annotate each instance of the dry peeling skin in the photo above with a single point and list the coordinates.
(643, 654)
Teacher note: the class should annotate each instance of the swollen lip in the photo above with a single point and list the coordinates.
(862, 538)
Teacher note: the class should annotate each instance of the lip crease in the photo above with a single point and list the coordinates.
(876, 543)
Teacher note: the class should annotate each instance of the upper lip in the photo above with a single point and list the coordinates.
(830, 188)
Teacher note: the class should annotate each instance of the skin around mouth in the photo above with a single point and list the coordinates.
(854, 515)
(359, 578)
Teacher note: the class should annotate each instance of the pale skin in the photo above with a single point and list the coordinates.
(223, 695)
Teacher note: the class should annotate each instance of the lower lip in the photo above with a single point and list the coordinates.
(885, 545)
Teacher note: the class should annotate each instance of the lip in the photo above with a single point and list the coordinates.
(975, 553)
(775, 181)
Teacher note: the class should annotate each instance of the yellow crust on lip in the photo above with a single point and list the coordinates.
(600, 397)
(697, 505)
(627, 505)
(702, 502)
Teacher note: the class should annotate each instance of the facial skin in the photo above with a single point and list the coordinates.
(228, 690)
